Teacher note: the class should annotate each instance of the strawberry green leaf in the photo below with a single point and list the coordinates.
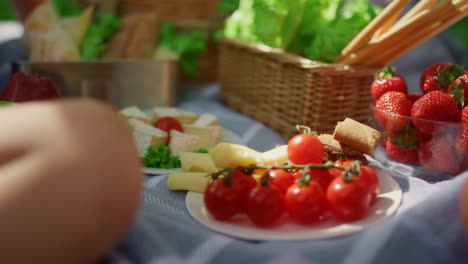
(407, 138)
(447, 76)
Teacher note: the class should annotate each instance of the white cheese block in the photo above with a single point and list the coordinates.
(181, 115)
(136, 113)
(197, 162)
(206, 120)
(181, 142)
(146, 135)
(209, 136)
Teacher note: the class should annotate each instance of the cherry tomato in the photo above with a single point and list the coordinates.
(222, 199)
(264, 205)
(305, 149)
(244, 182)
(343, 163)
(281, 179)
(167, 123)
(349, 201)
(322, 177)
(368, 175)
(305, 204)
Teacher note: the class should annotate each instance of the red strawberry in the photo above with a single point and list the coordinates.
(388, 81)
(402, 146)
(439, 153)
(392, 111)
(439, 76)
(414, 96)
(437, 106)
(462, 137)
(459, 90)
(22, 88)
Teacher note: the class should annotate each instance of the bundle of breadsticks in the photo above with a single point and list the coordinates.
(51, 38)
(350, 140)
(391, 34)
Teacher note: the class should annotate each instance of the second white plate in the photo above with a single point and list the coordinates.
(388, 201)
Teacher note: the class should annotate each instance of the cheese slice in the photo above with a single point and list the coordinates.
(181, 142)
(181, 115)
(275, 157)
(209, 136)
(188, 181)
(135, 113)
(206, 120)
(146, 135)
(197, 162)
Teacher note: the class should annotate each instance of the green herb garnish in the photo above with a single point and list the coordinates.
(189, 46)
(94, 41)
(160, 157)
(202, 151)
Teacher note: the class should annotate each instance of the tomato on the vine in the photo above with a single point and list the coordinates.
(244, 182)
(349, 199)
(305, 149)
(342, 163)
(167, 123)
(368, 175)
(222, 199)
(264, 204)
(323, 177)
(281, 179)
(305, 202)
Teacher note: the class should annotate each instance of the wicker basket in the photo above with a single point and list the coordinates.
(283, 90)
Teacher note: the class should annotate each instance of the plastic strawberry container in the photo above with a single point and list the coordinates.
(427, 149)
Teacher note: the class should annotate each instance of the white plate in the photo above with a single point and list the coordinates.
(387, 202)
(228, 136)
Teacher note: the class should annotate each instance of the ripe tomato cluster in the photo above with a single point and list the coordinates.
(428, 128)
(305, 189)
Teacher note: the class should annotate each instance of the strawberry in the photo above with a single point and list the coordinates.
(402, 146)
(414, 96)
(439, 153)
(437, 106)
(462, 137)
(388, 81)
(440, 76)
(22, 87)
(392, 110)
(459, 90)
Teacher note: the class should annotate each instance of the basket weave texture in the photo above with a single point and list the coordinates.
(283, 90)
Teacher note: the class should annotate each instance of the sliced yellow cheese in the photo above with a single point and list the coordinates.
(228, 155)
(188, 181)
(209, 136)
(197, 162)
(275, 157)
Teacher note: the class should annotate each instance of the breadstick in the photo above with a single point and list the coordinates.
(357, 135)
(372, 27)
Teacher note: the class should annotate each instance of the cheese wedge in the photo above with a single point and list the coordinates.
(275, 157)
(146, 135)
(228, 155)
(181, 115)
(209, 136)
(181, 142)
(206, 120)
(188, 181)
(197, 162)
(135, 113)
